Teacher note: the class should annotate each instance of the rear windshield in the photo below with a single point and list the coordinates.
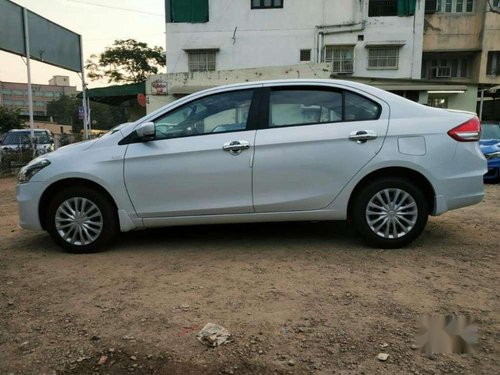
(16, 138)
(490, 131)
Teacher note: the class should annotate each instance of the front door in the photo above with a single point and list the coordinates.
(314, 140)
(199, 162)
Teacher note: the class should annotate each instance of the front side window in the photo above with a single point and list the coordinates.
(490, 131)
(434, 68)
(383, 58)
(265, 4)
(305, 55)
(382, 8)
(201, 60)
(219, 113)
(16, 138)
(455, 6)
(493, 65)
(438, 102)
(191, 11)
(341, 58)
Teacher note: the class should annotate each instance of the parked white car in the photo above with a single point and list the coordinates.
(17, 139)
(265, 151)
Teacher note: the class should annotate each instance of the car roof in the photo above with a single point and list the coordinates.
(399, 107)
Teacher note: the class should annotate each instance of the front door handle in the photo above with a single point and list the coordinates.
(361, 136)
(235, 147)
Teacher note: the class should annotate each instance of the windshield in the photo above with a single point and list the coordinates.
(17, 138)
(490, 131)
(115, 129)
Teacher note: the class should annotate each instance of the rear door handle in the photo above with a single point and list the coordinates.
(361, 136)
(235, 147)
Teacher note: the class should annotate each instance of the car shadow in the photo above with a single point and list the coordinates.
(245, 236)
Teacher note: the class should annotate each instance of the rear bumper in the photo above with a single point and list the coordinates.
(28, 198)
(459, 191)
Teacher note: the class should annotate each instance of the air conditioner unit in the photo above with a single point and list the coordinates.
(441, 72)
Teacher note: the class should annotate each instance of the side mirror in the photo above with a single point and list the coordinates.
(146, 131)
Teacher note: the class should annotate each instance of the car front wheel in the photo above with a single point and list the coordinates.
(390, 212)
(81, 220)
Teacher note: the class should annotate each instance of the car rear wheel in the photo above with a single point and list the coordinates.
(81, 220)
(390, 212)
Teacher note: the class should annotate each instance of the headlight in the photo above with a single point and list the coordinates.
(493, 155)
(30, 170)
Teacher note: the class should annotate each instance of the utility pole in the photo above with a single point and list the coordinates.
(84, 98)
(30, 93)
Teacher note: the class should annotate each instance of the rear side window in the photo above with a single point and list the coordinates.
(302, 107)
(297, 106)
(359, 108)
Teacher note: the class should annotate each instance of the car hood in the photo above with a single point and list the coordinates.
(75, 147)
(109, 139)
(489, 145)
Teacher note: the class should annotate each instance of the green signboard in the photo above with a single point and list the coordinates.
(49, 42)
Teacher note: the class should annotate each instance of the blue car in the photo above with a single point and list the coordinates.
(490, 146)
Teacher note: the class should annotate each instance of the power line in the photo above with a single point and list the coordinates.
(117, 8)
(113, 38)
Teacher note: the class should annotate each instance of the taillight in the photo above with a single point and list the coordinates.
(467, 132)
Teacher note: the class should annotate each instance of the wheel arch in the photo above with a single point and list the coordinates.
(57, 186)
(416, 177)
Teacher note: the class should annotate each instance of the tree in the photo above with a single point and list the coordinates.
(10, 119)
(126, 61)
(65, 111)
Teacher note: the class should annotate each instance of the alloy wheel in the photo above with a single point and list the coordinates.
(79, 221)
(391, 213)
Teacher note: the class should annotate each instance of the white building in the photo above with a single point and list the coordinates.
(367, 38)
(379, 42)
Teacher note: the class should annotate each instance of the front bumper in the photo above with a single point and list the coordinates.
(28, 197)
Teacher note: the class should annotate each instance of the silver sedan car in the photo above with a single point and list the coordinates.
(263, 151)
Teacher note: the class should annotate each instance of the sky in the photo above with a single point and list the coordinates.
(100, 22)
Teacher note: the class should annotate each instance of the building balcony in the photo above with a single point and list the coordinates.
(451, 66)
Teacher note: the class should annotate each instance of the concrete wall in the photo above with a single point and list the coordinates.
(53, 127)
(478, 31)
(249, 38)
(491, 42)
(186, 83)
(179, 84)
(454, 31)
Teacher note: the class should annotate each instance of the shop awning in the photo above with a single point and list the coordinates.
(117, 94)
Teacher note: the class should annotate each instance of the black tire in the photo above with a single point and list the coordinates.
(359, 212)
(109, 219)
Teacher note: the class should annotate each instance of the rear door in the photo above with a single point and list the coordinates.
(312, 140)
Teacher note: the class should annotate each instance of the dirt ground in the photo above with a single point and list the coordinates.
(296, 297)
